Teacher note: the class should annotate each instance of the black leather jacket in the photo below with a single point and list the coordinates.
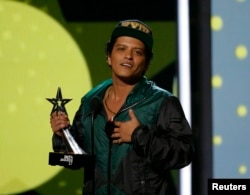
(162, 143)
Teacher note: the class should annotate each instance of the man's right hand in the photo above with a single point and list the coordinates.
(59, 121)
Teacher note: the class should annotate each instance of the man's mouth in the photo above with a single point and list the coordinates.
(127, 65)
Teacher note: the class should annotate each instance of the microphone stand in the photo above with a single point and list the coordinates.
(95, 106)
(109, 164)
(109, 129)
(93, 151)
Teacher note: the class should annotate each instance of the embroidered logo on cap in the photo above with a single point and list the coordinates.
(136, 25)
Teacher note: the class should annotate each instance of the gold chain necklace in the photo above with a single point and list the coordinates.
(106, 104)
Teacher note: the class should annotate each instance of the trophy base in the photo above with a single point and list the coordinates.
(71, 161)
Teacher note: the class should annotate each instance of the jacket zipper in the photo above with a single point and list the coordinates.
(110, 143)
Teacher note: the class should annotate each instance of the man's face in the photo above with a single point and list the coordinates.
(127, 59)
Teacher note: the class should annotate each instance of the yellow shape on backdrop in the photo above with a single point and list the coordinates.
(242, 110)
(37, 55)
(242, 169)
(241, 52)
(216, 23)
(217, 81)
(217, 140)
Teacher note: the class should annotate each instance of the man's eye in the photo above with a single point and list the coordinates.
(138, 52)
(120, 48)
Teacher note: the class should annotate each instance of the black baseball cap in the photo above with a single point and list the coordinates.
(134, 28)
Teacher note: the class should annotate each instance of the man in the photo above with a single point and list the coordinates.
(140, 130)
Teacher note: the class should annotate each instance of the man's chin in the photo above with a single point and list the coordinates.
(130, 80)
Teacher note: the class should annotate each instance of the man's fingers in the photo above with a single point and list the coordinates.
(117, 141)
(131, 114)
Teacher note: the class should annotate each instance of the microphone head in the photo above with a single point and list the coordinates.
(95, 105)
(109, 129)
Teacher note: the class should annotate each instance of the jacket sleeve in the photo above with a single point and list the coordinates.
(169, 143)
(58, 144)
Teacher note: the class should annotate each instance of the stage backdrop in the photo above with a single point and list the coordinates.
(230, 81)
(39, 52)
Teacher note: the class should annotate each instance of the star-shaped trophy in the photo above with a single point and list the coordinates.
(58, 102)
(75, 157)
(59, 106)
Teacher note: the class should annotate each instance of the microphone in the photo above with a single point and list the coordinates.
(95, 105)
(109, 128)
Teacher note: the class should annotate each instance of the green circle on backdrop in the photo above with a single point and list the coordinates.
(37, 55)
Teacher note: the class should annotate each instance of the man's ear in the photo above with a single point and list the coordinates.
(108, 60)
